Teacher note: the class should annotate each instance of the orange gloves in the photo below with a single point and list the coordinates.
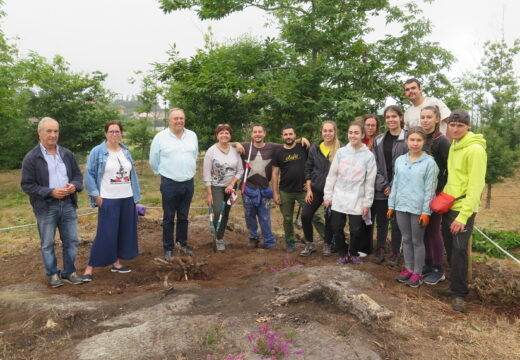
(390, 214)
(424, 220)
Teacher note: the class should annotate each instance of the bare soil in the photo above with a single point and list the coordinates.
(238, 284)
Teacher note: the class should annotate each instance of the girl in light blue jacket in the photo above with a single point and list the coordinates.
(413, 189)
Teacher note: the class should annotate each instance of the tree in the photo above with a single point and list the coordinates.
(149, 95)
(493, 94)
(140, 134)
(78, 101)
(325, 67)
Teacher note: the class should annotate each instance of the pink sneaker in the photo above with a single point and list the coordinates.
(414, 281)
(404, 276)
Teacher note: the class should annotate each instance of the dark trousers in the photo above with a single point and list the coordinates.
(457, 252)
(220, 197)
(309, 217)
(176, 200)
(116, 236)
(356, 224)
(379, 209)
(433, 241)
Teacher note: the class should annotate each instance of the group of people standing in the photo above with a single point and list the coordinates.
(390, 177)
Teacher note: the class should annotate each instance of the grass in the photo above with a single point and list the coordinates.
(213, 336)
(16, 209)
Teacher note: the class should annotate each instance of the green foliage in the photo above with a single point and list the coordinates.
(213, 336)
(322, 67)
(78, 101)
(32, 88)
(508, 240)
(492, 93)
(140, 135)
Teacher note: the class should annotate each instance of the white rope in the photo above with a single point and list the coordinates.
(93, 212)
(498, 246)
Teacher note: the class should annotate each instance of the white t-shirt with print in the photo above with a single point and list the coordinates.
(115, 183)
(412, 115)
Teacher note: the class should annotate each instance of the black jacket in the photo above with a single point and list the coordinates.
(317, 168)
(399, 148)
(439, 149)
(35, 178)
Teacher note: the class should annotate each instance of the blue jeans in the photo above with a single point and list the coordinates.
(60, 214)
(176, 200)
(263, 213)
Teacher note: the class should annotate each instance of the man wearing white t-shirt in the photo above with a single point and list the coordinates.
(412, 115)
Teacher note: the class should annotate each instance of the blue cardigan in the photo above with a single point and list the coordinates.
(96, 163)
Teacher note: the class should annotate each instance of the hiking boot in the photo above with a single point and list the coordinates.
(168, 255)
(72, 279)
(220, 245)
(458, 304)
(326, 250)
(309, 249)
(55, 281)
(290, 248)
(356, 260)
(404, 276)
(380, 256)
(443, 292)
(343, 259)
(253, 243)
(121, 270)
(435, 276)
(414, 281)
(394, 260)
(186, 250)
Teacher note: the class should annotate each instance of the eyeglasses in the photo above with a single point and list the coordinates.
(370, 125)
(114, 132)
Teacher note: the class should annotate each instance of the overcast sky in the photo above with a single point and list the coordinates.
(119, 37)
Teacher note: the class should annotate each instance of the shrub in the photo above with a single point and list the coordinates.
(506, 239)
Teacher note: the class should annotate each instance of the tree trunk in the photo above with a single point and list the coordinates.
(488, 199)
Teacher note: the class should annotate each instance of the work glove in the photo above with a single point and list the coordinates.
(424, 220)
(390, 214)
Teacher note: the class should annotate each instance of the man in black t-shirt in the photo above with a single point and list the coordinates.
(288, 180)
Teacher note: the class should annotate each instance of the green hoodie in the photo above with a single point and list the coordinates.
(467, 163)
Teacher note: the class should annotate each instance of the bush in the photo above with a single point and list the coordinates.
(508, 240)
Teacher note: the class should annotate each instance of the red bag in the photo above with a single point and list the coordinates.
(443, 202)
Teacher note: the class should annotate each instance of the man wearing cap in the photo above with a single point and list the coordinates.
(412, 115)
(51, 177)
(173, 155)
(467, 162)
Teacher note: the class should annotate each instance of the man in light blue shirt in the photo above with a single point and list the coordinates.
(173, 155)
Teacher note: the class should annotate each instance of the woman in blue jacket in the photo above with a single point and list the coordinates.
(112, 186)
(413, 189)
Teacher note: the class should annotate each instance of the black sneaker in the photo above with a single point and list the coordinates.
(186, 250)
(121, 270)
(253, 243)
(435, 276)
(72, 279)
(55, 281)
